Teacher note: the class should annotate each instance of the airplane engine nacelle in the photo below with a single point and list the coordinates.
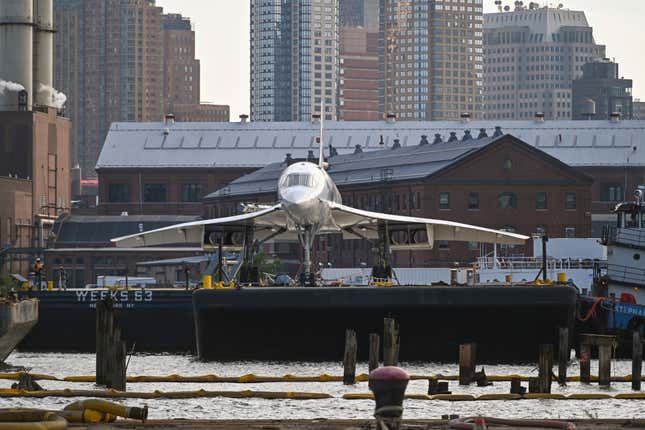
(230, 240)
(409, 239)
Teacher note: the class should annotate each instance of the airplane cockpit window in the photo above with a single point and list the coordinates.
(300, 179)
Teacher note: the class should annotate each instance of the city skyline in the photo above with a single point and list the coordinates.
(223, 20)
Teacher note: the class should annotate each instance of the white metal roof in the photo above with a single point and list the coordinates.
(211, 145)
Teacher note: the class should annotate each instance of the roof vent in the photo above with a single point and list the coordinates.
(615, 117)
(169, 120)
(539, 116)
(465, 117)
(437, 139)
(397, 144)
(498, 131)
(381, 142)
(332, 151)
(453, 137)
(315, 118)
(482, 133)
(244, 118)
(467, 136)
(288, 160)
(358, 149)
(390, 118)
(424, 140)
(310, 156)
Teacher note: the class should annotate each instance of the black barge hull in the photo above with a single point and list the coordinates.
(507, 323)
(151, 320)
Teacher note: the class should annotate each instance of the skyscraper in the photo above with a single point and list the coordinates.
(431, 58)
(294, 59)
(359, 68)
(182, 69)
(532, 57)
(109, 61)
(182, 74)
(601, 87)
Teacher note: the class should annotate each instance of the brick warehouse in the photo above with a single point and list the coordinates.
(498, 182)
(203, 157)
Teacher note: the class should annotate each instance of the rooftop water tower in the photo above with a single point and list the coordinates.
(16, 52)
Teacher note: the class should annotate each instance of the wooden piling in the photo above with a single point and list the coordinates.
(467, 363)
(585, 363)
(390, 342)
(110, 348)
(349, 359)
(563, 356)
(375, 346)
(545, 368)
(637, 360)
(604, 365)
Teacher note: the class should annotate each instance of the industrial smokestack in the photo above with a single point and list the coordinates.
(45, 94)
(16, 51)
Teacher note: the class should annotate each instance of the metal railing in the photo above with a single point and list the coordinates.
(626, 274)
(533, 263)
(623, 236)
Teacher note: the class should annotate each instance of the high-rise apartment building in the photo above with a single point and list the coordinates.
(359, 61)
(600, 92)
(109, 61)
(532, 57)
(639, 109)
(182, 75)
(431, 58)
(182, 69)
(294, 59)
(359, 13)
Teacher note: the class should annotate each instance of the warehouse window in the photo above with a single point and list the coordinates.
(444, 201)
(155, 193)
(541, 201)
(473, 201)
(119, 193)
(507, 201)
(570, 201)
(192, 192)
(611, 192)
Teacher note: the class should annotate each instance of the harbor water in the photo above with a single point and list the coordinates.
(62, 365)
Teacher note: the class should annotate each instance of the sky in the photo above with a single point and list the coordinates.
(222, 32)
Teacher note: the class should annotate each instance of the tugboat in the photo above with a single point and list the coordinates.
(616, 304)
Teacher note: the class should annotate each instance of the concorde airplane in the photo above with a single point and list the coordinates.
(309, 204)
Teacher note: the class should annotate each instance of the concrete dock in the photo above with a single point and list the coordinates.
(17, 318)
(322, 424)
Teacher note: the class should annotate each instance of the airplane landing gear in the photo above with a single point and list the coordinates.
(307, 277)
(382, 269)
(249, 274)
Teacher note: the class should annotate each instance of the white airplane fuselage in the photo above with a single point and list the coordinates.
(304, 190)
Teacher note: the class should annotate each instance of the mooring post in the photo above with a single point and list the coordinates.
(375, 342)
(349, 359)
(116, 375)
(467, 363)
(110, 349)
(637, 360)
(604, 365)
(390, 342)
(563, 356)
(545, 368)
(585, 363)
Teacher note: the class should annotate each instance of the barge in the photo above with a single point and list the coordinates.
(507, 323)
(17, 318)
(152, 320)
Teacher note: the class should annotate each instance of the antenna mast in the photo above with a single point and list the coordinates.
(321, 153)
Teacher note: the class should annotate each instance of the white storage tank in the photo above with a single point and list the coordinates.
(44, 53)
(16, 53)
